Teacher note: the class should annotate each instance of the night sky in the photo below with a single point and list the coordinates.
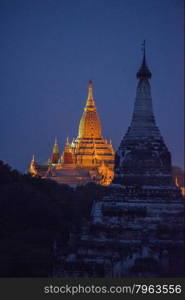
(51, 48)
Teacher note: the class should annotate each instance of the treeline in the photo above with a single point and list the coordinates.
(34, 213)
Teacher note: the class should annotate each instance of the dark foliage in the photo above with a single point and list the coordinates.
(33, 214)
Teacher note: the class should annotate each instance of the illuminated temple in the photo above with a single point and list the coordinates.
(88, 158)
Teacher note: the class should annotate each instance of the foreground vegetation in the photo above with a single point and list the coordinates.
(34, 213)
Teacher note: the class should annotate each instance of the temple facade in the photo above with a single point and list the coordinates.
(88, 158)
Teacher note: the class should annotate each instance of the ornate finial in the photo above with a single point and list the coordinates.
(90, 101)
(143, 47)
(67, 145)
(55, 147)
(90, 84)
(144, 71)
(90, 87)
(144, 51)
(33, 158)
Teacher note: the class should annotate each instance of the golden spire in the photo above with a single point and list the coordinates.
(90, 104)
(90, 126)
(67, 146)
(176, 181)
(67, 157)
(55, 147)
(32, 169)
(55, 153)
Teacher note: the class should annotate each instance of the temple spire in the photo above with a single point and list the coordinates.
(90, 100)
(55, 147)
(67, 156)
(143, 121)
(143, 158)
(144, 72)
(143, 49)
(32, 169)
(67, 146)
(55, 153)
(90, 125)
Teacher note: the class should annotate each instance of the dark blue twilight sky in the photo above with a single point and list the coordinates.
(51, 48)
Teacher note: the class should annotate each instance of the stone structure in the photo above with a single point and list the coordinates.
(89, 158)
(143, 158)
(131, 233)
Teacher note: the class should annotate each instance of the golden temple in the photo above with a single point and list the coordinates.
(88, 158)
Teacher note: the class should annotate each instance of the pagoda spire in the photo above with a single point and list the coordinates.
(90, 125)
(67, 146)
(33, 158)
(32, 169)
(142, 153)
(55, 153)
(143, 121)
(144, 72)
(67, 156)
(55, 147)
(90, 104)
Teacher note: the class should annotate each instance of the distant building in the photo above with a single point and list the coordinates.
(88, 158)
